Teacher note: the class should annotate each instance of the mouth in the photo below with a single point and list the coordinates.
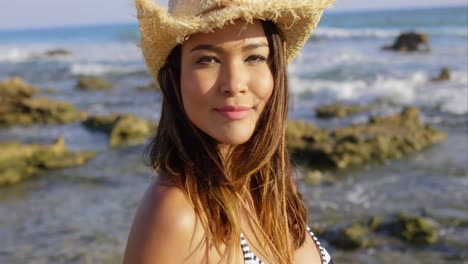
(233, 112)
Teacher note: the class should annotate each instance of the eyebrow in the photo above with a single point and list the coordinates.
(218, 49)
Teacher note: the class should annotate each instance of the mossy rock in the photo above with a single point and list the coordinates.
(382, 138)
(414, 230)
(313, 177)
(17, 107)
(129, 129)
(351, 237)
(15, 88)
(444, 75)
(102, 123)
(375, 222)
(90, 83)
(21, 161)
(39, 110)
(301, 135)
(339, 110)
(122, 129)
(15, 172)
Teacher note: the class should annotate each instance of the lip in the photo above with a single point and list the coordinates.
(233, 112)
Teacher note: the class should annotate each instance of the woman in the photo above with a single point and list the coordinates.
(225, 192)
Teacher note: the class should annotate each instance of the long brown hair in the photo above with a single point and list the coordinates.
(258, 172)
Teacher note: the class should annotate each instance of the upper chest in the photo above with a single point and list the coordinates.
(309, 253)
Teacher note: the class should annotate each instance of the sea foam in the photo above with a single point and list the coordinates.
(379, 33)
(415, 89)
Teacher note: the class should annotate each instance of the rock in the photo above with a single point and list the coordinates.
(444, 75)
(16, 88)
(411, 229)
(339, 110)
(103, 123)
(17, 107)
(409, 116)
(57, 52)
(409, 42)
(380, 139)
(89, 83)
(129, 129)
(19, 162)
(38, 110)
(350, 238)
(122, 129)
(313, 177)
(301, 135)
(375, 222)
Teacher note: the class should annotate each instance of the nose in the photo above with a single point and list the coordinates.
(233, 80)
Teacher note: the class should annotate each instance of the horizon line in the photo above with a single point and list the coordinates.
(134, 21)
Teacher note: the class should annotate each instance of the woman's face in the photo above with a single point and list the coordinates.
(226, 80)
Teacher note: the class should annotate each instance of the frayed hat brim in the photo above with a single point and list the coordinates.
(161, 32)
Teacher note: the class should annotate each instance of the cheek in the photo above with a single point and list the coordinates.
(192, 87)
(196, 81)
(263, 87)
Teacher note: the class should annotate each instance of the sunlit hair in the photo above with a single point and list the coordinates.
(218, 187)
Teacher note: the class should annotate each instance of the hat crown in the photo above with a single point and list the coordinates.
(181, 8)
(163, 29)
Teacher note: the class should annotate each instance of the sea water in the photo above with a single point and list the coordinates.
(82, 215)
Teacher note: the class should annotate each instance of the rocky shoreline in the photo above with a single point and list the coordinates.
(317, 149)
(20, 107)
(19, 162)
(381, 138)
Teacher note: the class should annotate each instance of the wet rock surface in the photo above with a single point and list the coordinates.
(21, 161)
(122, 129)
(444, 75)
(91, 83)
(382, 138)
(378, 230)
(57, 52)
(410, 42)
(350, 237)
(412, 229)
(18, 107)
(339, 110)
(16, 88)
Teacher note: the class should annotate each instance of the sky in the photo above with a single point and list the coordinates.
(21, 14)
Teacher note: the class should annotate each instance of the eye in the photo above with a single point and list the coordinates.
(206, 60)
(255, 59)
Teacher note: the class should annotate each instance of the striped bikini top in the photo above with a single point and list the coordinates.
(250, 258)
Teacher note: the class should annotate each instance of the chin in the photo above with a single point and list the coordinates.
(234, 140)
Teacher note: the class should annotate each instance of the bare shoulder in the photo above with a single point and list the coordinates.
(308, 253)
(165, 228)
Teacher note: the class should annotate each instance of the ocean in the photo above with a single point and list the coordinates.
(83, 215)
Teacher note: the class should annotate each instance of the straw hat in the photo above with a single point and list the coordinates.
(163, 30)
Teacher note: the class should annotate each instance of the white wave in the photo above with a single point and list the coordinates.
(336, 33)
(110, 52)
(14, 55)
(457, 104)
(343, 33)
(451, 96)
(454, 32)
(415, 89)
(101, 69)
